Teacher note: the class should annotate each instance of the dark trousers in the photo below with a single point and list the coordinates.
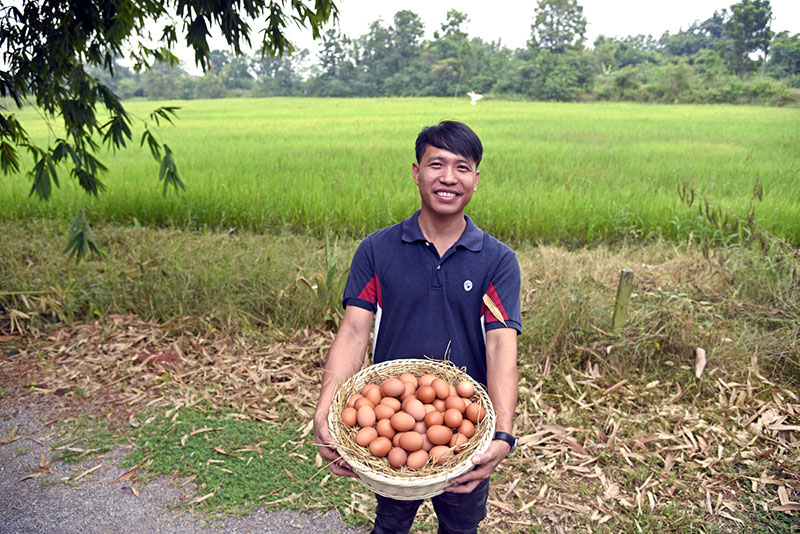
(457, 513)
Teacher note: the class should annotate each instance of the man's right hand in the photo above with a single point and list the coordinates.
(326, 450)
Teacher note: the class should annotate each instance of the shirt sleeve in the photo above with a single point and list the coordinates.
(362, 288)
(504, 291)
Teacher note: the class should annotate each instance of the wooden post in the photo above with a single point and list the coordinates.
(623, 298)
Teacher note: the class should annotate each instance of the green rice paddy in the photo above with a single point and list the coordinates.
(565, 173)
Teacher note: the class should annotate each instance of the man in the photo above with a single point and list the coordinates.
(424, 282)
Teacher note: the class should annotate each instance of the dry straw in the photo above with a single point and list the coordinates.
(376, 473)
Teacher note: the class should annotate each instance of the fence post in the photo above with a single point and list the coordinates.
(622, 300)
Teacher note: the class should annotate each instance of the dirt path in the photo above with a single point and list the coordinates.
(83, 498)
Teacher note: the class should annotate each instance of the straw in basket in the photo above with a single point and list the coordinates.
(407, 484)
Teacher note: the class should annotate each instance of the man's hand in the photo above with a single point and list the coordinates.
(327, 452)
(485, 464)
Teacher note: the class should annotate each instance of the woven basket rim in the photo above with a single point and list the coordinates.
(388, 483)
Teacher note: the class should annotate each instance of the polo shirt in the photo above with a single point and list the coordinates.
(431, 306)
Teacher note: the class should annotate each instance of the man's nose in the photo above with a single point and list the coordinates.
(448, 175)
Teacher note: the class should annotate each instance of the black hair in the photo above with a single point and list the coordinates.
(453, 136)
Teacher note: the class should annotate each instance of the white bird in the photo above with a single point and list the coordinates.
(474, 97)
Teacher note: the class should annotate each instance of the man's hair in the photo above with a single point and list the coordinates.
(453, 136)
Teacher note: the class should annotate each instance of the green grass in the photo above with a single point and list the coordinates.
(242, 464)
(557, 173)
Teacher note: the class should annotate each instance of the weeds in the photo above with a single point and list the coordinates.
(236, 465)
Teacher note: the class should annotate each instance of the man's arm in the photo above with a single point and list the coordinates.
(345, 359)
(502, 379)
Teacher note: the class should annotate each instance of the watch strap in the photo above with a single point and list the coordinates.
(508, 438)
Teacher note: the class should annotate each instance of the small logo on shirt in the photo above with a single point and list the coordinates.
(467, 285)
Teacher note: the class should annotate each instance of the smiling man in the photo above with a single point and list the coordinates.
(423, 284)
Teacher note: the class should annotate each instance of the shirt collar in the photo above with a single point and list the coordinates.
(471, 238)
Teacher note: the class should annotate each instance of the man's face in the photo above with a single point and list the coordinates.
(446, 181)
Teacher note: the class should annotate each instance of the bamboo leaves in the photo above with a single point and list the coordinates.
(81, 239)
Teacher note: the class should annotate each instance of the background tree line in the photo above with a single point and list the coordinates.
(731, 57)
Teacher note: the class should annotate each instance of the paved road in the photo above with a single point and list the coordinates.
(93, 504)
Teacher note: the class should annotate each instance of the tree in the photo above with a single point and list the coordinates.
(784, 62)
(48, 45)
(559, 26)
(748, 30)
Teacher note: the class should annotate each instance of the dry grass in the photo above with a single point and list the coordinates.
(617, 431)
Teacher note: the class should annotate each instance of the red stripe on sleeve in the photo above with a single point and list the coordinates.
(372, 291)
(490, 318)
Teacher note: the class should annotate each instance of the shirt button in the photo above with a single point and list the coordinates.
(427, 244)
(438, 267)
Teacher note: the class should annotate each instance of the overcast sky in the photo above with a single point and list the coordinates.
(510, 21)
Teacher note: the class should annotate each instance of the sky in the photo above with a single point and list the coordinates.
(510, 21)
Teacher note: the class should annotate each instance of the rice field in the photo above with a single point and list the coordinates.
(552, 173)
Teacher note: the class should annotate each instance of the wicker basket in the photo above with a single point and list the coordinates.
(407, 484)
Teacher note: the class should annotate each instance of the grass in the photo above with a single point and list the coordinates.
(236, 465)
(553, 173)
(738, 303)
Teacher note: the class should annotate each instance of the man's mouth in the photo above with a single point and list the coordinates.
(446, 194)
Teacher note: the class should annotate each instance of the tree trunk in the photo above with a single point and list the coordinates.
(764, 65)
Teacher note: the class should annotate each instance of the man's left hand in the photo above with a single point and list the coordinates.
(484, 465)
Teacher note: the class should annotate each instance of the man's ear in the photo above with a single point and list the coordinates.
(415, 172)
(477, 179)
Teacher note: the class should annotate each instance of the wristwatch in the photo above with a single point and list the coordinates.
(508, 438)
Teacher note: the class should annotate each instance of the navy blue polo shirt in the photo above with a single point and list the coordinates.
(424, 303)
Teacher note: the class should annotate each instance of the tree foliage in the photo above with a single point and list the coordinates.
(48, 47)
(748, 30)
(560, 25)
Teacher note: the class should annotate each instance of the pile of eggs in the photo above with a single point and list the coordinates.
(412, 420)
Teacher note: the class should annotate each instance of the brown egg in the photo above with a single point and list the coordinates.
(453, 418)
(466, 428)
(365, 436)
(467, 402)
(373, 393)
(475, 412)
(397, 457)
(392, 387)
(396, 439)
(385, 429)
(415, 409)
(417, 459)
(429, 408)
(426, 380)
(408, 377)
(439, 405)
(391, 402)
(434, 418)
(458, 442)
(349, 417)
(452, 391)
(454, 401)
(351, 401)
(420, 427)
(411, 441)
(426, 444)
(410, 390)
(402, 422)
(441, 388)
(365, 416)
(440, 454)
(426, 394)
(363, 401)
(382, 411)
(465, 388)
(380, 446)
(439, 434)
